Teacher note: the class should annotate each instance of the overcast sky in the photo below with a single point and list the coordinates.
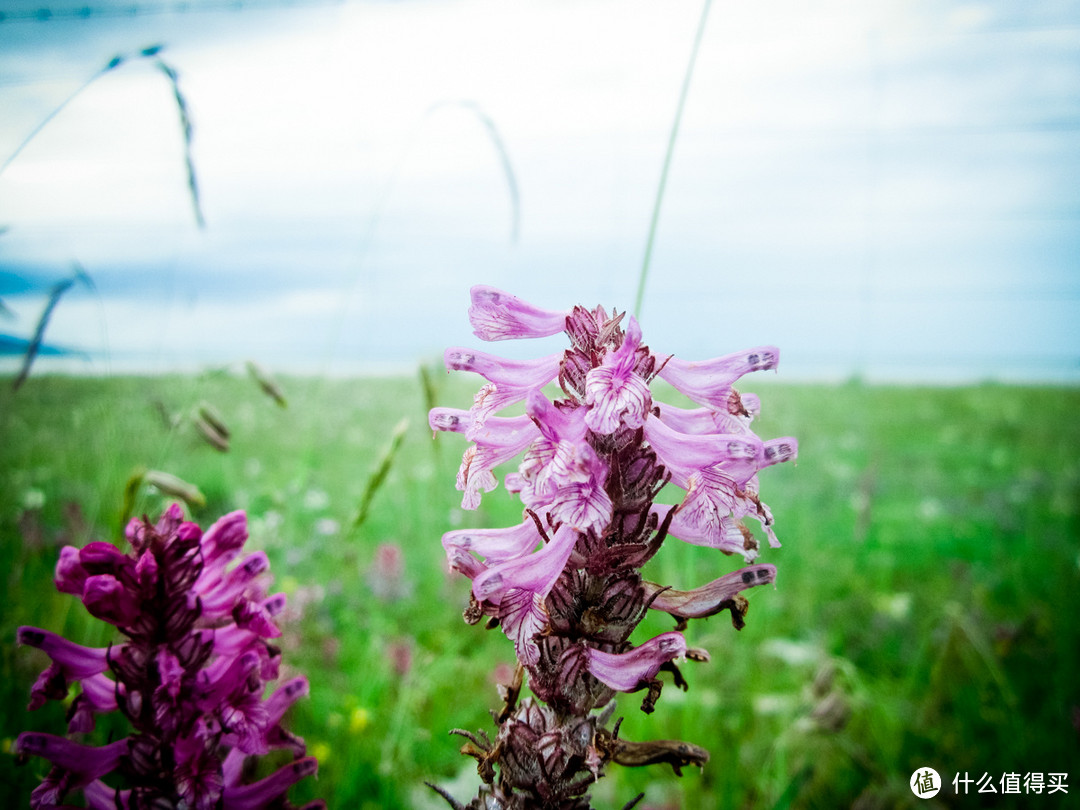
(889, 188)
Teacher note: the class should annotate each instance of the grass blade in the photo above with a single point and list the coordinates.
(500, 149)
(186, 130)
(267, 383)
(672, 138)
(378, 477)
(174, 487)
(39, 333)
(150, 52)
(131, 491)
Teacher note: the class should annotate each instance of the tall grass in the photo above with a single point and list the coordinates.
(923, 614)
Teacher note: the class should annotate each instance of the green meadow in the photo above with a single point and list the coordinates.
(924, 615)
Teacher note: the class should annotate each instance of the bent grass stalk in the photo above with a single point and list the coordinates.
(654, 220)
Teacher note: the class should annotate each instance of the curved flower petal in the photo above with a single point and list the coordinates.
(285, 696)
(708, 599)
(536, 572)
(106, 598)
(497, 315)
(702, 421)
(708, 382)
(554, 422)
(70, 575)
(220, 591)
(738, 456)
(523, 616)
(520, 374)
(77, 661)
(225, 537)
(87, 762)
(509, 381)
(494, 545)
(260, 794)
(625, 672)
(724, 533)
(100, 796)
(498, 439)
(98, 697)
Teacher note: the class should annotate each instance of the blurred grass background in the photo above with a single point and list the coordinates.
(924, 615)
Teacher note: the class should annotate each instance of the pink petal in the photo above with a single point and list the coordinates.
(625, 672)
(496, 315)
(536, 572)
(704, 601)
(709, 382)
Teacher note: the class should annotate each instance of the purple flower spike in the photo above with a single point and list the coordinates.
(496, 315)
(628, 671)
(190, 678)
(593, 462)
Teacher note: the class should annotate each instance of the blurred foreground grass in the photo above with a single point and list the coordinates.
(925, 610)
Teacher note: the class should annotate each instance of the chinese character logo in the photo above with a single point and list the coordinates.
(925, 783)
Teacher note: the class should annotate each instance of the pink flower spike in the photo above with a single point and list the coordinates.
(615, 393)
(260, 794)
(708, 599)
(626, 672)
(709, 382)
(497, 315)
(494, 545)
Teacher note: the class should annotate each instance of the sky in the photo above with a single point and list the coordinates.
(886, 189)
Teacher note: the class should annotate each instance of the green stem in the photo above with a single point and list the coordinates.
(667, 159)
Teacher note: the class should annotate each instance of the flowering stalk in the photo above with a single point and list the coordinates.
(565, 584)
(189, 677)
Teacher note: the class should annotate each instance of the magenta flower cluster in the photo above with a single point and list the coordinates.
(190, 675)
(565, 584)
